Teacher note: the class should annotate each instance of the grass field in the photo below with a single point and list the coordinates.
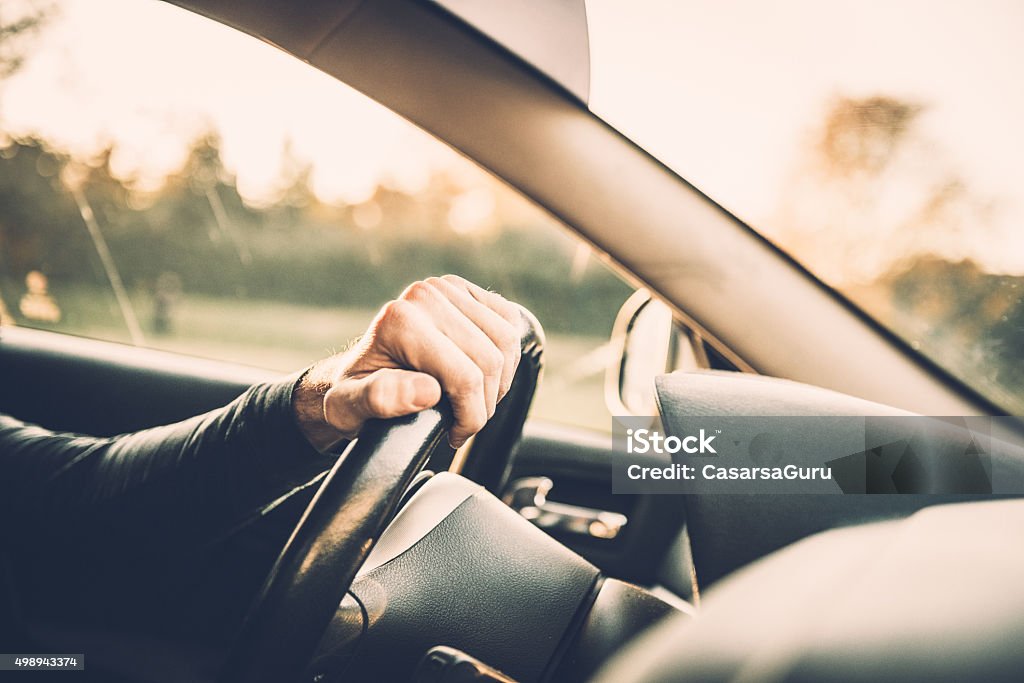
(286, 337)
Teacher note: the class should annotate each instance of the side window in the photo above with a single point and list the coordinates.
(228, 201)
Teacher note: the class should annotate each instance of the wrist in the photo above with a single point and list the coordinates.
(308, 405)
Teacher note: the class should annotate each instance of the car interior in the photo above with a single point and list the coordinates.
(513, 559)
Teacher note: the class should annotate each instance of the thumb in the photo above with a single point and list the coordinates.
(387, 392)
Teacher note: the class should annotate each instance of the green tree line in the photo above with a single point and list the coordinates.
(296, 249)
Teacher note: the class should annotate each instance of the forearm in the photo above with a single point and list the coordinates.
(182, 482)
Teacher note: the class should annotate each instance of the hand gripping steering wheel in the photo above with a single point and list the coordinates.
(353, 506)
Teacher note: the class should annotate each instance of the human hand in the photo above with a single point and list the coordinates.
(441, 335)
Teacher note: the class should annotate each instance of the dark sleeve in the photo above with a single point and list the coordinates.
(187, 482)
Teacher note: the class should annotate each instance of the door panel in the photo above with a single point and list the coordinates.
(101, 388)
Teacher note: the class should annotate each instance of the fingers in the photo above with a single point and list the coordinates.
(388, 392)
(443, 334)
(505, 308)
(409, 332)
(493, 321)
(465, 332)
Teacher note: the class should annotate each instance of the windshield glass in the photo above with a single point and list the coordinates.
(170, 182)
(877, 143)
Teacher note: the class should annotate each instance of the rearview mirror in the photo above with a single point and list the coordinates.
(647, 342)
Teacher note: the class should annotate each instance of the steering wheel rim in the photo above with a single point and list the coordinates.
(343, 521)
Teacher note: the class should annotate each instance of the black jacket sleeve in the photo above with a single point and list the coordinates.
(184, 483)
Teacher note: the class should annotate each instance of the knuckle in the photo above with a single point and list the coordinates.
(510, 312)
(393, 312)
(510, 340)
(418, 291)
(493, 362)
(377, 398)
(467, 381)
(455, 281)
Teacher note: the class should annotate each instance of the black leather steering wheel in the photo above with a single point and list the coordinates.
(354, 504)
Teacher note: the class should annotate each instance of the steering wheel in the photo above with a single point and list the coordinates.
(354, 504)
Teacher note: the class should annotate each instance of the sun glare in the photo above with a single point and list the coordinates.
(734, 95)
(147, 97)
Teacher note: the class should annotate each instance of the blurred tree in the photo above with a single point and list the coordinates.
(862, 135)
(1008, 338)
(19, 23)
(876, 211)
(300, 251)
(871, 190)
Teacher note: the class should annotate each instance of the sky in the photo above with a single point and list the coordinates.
(151, 90)
(725, 92)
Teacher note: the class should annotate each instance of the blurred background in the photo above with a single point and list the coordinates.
(878, 143)
(168, 182)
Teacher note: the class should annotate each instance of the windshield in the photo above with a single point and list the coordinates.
(170, 182)
(878, 143)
